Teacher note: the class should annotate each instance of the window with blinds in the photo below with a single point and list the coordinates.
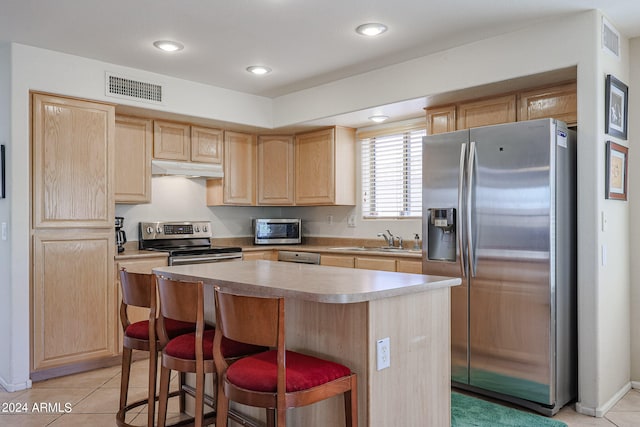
(392, 175)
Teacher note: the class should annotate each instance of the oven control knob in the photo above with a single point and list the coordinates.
(159, 230)
(205, 228)
(149, 230)
(197, 229)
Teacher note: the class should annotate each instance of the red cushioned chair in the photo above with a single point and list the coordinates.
(192, 352)
(139, 290)
(277, 379)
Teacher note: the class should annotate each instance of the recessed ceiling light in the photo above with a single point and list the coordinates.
(168, 45)
(371, 29)
(258, 69)
(378, 118)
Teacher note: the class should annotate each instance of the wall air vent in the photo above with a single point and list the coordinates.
(122, 87)
(610, 39)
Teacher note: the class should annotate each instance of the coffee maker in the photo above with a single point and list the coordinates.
(121, 237)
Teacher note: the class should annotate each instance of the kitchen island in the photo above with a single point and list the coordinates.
(340, 314)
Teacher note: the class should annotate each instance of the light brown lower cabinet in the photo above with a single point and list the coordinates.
(73, 313)
(382, 264)
(269, 255)
(409, 266)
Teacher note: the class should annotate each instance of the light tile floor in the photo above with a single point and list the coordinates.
(93, 401)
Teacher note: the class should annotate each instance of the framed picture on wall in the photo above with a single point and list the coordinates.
(3, 173)
(616, 103)
(616, 173)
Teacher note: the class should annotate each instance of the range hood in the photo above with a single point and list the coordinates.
(186, 169)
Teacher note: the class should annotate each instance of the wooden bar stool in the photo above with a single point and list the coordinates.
(276, 379)
(139, 290)
(192, 352)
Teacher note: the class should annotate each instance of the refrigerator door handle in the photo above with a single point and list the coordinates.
(459, 218)
(470, 171)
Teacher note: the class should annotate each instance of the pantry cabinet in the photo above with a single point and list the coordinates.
(73, 243)
(275, 170)
(325, 167)
(133, 152)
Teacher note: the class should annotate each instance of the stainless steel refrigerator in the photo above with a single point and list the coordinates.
(499, 211)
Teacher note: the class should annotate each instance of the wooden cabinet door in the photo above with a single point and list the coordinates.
(409, 266)
(239, 169)
(558, 102)
(315, 168)
(72, 162)
(171, 141)
(491, 111)
(206, 145)
(133, 151)
(388, 264)
(441, 119)
(275, 170)
(256, 255)
(338, 260)
(73, 317)
(325, 167)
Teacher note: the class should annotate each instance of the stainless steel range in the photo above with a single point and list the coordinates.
(187, 242)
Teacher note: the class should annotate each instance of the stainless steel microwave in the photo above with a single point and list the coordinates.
(271, 231)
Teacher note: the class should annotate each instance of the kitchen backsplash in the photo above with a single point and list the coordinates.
(177, 198)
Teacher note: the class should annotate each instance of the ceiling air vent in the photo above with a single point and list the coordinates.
(122, 87)
(610, 39)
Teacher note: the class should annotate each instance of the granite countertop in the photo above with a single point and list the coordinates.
(307, 282)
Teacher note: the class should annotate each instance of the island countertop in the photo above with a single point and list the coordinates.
(307, 282)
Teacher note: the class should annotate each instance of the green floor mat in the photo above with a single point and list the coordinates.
(467, 411)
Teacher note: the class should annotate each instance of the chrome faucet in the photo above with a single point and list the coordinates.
(387, 238)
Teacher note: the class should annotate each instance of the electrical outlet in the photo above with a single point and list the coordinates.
(383, 354)
(330, 219)
(4, 231)
(351, 221)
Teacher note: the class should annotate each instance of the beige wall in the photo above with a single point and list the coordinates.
(571, 41)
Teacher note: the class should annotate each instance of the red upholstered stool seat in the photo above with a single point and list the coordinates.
(140, 330)
(184, 347)
(260, 372)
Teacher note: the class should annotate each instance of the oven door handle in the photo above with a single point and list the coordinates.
(203, 259)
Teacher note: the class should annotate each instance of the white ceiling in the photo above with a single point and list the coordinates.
(305, 42)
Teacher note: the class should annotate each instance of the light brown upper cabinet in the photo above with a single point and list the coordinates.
(134, 145)
(441, 119)
(187, 143)
(275, 170)
(239, 168)
(206, 145)
(325, 167)
(490, 111)
(559, 102)
(171, 141)
(72, 162)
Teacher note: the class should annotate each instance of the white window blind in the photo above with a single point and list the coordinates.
(392, 175)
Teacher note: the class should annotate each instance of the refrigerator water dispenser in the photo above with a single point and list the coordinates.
(441, 237)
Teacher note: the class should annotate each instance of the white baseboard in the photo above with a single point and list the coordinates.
(635, 384)
(14, 387)
(601, 410)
